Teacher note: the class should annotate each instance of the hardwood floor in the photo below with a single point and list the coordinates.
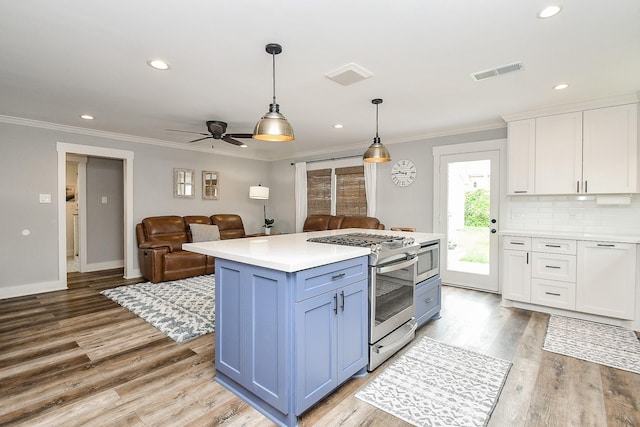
(76, 358)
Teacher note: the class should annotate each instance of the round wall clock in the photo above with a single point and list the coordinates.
(403, 173)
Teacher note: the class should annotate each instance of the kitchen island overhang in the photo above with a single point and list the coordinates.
(291, 318)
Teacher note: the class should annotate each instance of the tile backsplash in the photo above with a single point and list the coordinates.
(571, 214)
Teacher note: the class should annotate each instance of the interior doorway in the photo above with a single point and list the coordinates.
(467, 212)
(128, 233)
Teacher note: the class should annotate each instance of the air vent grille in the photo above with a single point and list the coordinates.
(349, 74)
(509, 68)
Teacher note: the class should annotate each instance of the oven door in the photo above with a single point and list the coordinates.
(391, 296)
(428, 262)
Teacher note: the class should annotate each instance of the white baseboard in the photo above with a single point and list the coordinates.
(30, 289)
(98, 266)
(135, 273)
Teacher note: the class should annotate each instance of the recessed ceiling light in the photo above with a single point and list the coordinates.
(158, 64)
(549, 11)
(86, 116)
(561, 86)
(338, 126)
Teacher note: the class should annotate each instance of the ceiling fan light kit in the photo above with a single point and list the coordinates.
(377, 152)
(273, 126)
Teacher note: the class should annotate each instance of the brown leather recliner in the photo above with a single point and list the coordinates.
(335, 222)
(160, 251)
(229, 225)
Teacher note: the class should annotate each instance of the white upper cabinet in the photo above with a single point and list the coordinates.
(610, 150)
(558, 164)
(521, 156)
(590, 152)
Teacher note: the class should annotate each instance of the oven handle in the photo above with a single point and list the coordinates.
(382, 349)
(397, 266)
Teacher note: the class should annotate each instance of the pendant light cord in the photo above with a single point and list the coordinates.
(273, 56)
(377, 137)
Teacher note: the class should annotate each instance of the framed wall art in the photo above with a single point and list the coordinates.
(210, 185)
(183, 183)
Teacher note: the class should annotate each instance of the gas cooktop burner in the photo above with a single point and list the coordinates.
(377, 242)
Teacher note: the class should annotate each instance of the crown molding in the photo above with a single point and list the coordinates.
(118, 136)
(609, 101)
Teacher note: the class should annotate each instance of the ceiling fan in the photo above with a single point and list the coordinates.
(217, 130)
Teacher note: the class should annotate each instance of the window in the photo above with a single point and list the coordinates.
(319, 192)
(337, 191)
(351, 198)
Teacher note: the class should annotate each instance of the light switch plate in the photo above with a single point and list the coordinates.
(104, 200)
(45, 198)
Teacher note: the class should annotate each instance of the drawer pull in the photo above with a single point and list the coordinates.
(429, 300)
(603, 245)
(553, 266)
(553, 294)
(553, 246)
(520, 191)
(338, 276)
(517, 243)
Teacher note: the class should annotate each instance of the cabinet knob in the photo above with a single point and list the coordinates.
(493, 230)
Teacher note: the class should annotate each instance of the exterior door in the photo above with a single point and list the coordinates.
(469, 199)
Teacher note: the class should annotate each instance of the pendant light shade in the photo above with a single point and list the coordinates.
(273, 126)
(376, 151)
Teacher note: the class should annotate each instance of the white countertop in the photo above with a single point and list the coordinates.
(618, 238)
(292, 252)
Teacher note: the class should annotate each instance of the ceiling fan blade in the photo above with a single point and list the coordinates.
(200, 139)
(240, 135)
(230, 140)
(186, 131)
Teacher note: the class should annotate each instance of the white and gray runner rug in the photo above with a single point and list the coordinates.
(436, 384)
(181, 309)
(607, 345)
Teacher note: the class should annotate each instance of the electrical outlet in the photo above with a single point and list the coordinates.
(104, 200)
(45, 198)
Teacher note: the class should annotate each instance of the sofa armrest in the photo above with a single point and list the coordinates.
(158, 244)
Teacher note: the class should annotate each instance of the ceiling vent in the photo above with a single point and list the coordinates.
(510, 68)
(349, 74)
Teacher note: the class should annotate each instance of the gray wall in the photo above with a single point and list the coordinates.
(105, 221)
(28, 167)
(410, 206)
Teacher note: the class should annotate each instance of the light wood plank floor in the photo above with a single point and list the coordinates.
(76, 358)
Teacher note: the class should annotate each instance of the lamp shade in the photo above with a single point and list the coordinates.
(258, 192)
(273, 126)
(376, 153)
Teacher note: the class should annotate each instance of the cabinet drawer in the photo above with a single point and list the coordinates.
(553, 294)
(427, 299)
(554, 246)
(316, 281)
(516, 243)
(554, 267)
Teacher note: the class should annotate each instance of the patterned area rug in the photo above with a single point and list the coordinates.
(435, 384)
(181, 309)
(607, 345)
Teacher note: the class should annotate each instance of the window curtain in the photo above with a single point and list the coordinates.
(301, 195)
(370, 186)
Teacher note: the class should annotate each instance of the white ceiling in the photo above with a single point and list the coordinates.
(61, 58)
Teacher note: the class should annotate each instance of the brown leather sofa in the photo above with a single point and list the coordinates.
(160, 240)
(333, 222)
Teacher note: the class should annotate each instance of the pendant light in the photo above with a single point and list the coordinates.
(273, 126)
(376, 151)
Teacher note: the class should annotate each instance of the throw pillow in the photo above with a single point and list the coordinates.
(204, 232)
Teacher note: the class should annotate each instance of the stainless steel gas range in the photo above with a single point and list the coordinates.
(392, 276)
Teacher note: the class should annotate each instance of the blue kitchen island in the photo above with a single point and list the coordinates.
(291, 321)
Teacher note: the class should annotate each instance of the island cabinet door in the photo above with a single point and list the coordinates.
(316, 323)
(352, 330)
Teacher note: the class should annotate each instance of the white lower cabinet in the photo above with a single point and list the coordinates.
(585, 276)
(607, 279)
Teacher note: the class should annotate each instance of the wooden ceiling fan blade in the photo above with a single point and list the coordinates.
(240, 135)
(230, 140)
(200, 139)
(186, 131)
